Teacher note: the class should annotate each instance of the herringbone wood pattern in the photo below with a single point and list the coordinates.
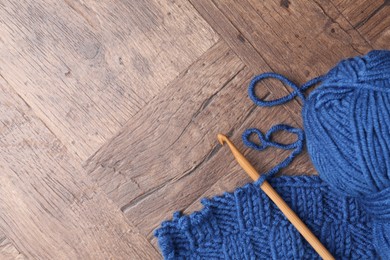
(110, 109)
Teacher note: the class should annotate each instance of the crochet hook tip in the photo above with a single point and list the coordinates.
(222, 138)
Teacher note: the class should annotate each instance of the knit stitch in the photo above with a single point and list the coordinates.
(245, 224)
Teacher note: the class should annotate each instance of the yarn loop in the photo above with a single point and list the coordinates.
(297, 91)
(266, 141)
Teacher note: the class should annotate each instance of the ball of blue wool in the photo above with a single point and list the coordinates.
(347, 126)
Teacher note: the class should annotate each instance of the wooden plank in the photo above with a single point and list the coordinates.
(382, 40)
(148, 212)
(48, 208)
(300, 40)
(376, 26)
(357, 11)
(269, 36)
(234, 177)
(86, 67)
(174, 134)
(167, 155)
(8, 251)
(370, 18)
(243, 48)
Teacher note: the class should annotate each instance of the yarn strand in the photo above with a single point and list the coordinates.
(266, 141)
(297, 91)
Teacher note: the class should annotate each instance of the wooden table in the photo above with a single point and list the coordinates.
(110, 109)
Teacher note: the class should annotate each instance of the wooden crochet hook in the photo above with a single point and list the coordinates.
(275, 197)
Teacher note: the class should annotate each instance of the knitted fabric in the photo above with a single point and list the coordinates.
(245, 224)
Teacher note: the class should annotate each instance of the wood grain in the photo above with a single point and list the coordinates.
(382, 41)
(179, 158)
(110, 109)
(144, 155)
(48, 208)
(376, 27)
(370, 18)
(357, 12)
(86, 67)
(242, 47)
(8, 251)
(300, 40)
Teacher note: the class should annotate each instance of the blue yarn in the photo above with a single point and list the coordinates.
(245, 224)
(347, 126)
(266, 141)
(297, 91)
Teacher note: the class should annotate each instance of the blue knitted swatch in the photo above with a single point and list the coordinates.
(245, 224)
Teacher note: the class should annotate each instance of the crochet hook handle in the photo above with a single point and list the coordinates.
(280, 203)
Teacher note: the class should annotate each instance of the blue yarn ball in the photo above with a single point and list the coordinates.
(347, 126)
